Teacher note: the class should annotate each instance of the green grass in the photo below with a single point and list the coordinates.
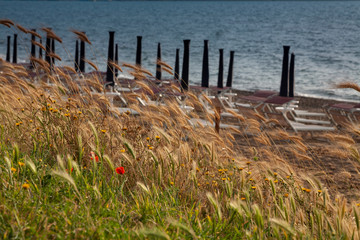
(180, 182)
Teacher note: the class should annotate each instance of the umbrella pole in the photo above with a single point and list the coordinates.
(285, 73)
(76, 65)
(230, 72)
(8, 49)
(110, 68)
(138, 51)
(33, 49)
(15, 49)
(221, 69)
(185, 67)
(177, 64)
(116, 59)
(292, 75)
(82, 56)
(205, 66)
(158, 66)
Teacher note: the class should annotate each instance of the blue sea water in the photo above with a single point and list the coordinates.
(324, 36)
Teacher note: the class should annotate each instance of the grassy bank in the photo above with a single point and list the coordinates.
(72, 168)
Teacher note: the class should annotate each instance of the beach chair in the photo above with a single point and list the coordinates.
(255, 100)
(299, 120)
(297, 126)
(344, 114)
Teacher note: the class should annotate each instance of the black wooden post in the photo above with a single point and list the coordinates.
(53, 51)
(110, 67)
(205, 66)
(15, 49)
(285, 73)
(230, 72)
(33, 49)
(292, 75)
(40, 51)
(47, 49)
(138, 51)
(8, 49)
(185, 67)
(158, 66)
(220, 83)
(116, 59)
(76, 64)
(177, 64)
(82, 56)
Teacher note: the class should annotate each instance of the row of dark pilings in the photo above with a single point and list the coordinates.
(79, 63)
(49, 48)
(288, 74)
(185, 67)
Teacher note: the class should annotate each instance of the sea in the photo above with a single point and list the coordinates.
(323, 35)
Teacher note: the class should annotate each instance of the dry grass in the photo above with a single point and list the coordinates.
(63, 146)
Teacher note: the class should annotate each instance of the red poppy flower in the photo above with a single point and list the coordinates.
(92, 154)
(120, 170)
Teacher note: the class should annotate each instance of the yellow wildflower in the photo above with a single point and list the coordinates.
(319, 191)
(21, 164)
(13, 169)
(103, 130)
(122, 150)
(276, 181)
(26, 186)
(253, 187)
(286, 195)
(243, 198)
(157, 137)
(171, 183)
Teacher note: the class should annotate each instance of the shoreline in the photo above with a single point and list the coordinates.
(306, 102)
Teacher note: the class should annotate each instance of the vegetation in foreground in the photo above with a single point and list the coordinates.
(71, 168)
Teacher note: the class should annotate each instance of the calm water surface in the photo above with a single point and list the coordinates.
(325, 37)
